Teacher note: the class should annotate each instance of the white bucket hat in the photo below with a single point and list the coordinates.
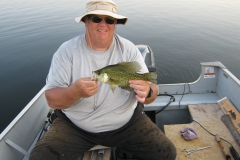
(103, 7)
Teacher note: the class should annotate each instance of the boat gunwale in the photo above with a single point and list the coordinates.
(19, 116)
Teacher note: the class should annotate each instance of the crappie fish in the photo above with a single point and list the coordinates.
(119, 75)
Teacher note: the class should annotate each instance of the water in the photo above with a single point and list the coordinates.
(181, 33)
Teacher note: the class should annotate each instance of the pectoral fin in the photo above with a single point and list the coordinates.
(112, 86)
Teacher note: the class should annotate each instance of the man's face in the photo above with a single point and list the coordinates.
(99, 30)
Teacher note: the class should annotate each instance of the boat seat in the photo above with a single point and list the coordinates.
(98, 152)
(98, 147)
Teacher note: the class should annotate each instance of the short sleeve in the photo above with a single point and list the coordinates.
(60, 70)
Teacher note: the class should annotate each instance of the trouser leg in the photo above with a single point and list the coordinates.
(143, 139)
(147, 142)
(62, 141)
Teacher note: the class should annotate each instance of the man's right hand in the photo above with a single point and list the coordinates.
(85, 87)
(62, 98)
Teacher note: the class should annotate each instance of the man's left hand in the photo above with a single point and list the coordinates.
(141, 88)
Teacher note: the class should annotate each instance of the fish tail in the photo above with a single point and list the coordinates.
(151, 77)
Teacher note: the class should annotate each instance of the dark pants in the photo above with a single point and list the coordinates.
(140, 137)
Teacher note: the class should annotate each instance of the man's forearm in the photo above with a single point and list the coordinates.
(60, 98)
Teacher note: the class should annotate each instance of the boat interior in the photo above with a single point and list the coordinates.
(178, 106)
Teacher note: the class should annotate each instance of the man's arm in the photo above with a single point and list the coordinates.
(62, 98)
(142, 88)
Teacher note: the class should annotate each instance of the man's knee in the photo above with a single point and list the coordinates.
(39, 154)
(172, 152)
(53, 154)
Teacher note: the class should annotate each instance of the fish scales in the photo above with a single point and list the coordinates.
(119, 75)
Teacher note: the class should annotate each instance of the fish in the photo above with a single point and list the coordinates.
(119, 75)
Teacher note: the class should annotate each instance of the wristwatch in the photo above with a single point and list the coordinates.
(150, 93)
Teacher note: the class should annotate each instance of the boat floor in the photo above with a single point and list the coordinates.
(209, 116)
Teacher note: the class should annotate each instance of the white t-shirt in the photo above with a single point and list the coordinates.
(74, 60)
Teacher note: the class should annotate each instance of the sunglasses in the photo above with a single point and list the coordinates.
(108, 20)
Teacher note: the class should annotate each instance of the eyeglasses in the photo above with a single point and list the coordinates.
(108, 20)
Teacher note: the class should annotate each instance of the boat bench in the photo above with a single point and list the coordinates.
(98, 152)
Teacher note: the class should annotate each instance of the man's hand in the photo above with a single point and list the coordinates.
(141, 88)
(62, 98)
(84, 87)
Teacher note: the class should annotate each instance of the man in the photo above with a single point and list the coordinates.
(88, 113)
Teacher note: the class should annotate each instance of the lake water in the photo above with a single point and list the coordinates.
(181, 33)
